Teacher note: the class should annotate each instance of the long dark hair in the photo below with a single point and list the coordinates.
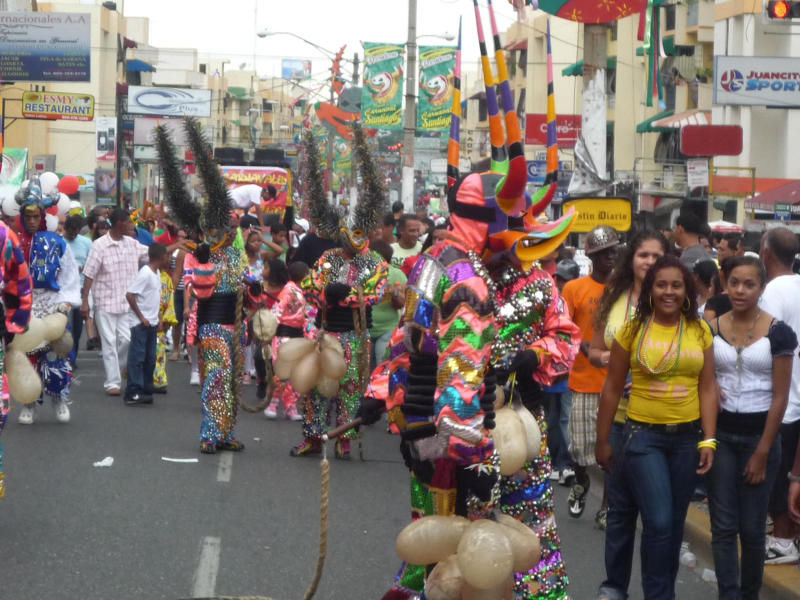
(645, 310)
(621, 279)
(708, 273)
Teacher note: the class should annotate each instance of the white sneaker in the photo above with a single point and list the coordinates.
(270, 413)
(195, 378)
(779, 551)
(62, 411)
(567, 477)
(26, 415)
(555, 475)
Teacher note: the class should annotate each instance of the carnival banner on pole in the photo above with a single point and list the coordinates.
(436, 86)
(382, 94)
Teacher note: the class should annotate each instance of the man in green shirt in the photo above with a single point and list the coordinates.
(409, 228)
(386, 314)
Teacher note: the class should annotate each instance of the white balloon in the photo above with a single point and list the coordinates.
(30, 338)
(63, 345)
(533, 435)
(510, 441)
(64, 204)
(54, 326)
(49, 183)
(24, 383)
(10, 206)
(51, 221)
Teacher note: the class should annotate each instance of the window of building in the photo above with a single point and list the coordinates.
(267, 130)
(612, 27)
(267, 106)
(669, 17)
(203, 68)
(483, 110)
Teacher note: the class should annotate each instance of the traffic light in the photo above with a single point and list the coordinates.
(783, 10)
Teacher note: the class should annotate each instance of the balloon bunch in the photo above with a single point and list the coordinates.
(516, 436)
(475, 560)
(53, 197)
(24, 383)
(310, 364)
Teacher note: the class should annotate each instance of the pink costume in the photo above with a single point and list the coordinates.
(292, 322)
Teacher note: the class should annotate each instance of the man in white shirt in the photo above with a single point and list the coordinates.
(778, 249)
(251, 195)
(409, 228)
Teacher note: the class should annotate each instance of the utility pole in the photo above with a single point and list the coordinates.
(410, 118)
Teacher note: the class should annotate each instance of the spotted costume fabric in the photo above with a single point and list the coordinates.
(166, 318)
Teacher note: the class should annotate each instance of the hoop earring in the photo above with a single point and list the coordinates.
(687, 305)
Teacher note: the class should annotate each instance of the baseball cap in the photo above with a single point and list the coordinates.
(302, 223)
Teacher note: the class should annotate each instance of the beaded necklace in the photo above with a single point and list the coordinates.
(663, 367)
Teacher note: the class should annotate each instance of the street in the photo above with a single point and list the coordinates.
(230, 524)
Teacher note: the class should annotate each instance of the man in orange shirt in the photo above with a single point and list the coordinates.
(585, 381)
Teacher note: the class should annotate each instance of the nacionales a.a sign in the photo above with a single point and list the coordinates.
(757, 80)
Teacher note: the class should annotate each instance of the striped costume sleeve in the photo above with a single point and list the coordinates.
(17, 296)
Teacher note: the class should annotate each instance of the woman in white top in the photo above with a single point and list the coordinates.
(753, 356)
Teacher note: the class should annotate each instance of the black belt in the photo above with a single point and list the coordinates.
(688, 427)
(219, 308)
(339, 319)
(288, 331)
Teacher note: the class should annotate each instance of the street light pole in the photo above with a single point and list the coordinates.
(410, 118)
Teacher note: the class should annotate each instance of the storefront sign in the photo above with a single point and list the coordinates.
(591, 212)
(696, 173)
(757, 80)
(53, 106)
(45, 46)
(568, 128)
(169, 102)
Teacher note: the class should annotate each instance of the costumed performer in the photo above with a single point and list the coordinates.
(166, 320)
(56, 289)
(344, 285)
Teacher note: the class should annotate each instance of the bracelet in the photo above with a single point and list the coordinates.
(709, 443)
(793, 478)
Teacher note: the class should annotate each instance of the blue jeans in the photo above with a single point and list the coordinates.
(739, 510)
(559, 406)
(660, 470)
(379, 345)
(621, 523)
(141, 360)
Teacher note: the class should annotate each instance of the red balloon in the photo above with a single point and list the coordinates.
(68, 185)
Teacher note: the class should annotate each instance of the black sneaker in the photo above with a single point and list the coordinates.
(261, 390)
(138, 399)
(577, 500)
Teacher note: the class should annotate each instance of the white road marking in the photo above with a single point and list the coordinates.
(205, 578)
(224, 467)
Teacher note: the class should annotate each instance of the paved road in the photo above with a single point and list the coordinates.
(229, 524)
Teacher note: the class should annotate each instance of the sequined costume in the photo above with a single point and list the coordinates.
(290, 311)
(166, 319)
(56, 288)
(216, 285)
(361, 280)
(531, 315)
(16, 306)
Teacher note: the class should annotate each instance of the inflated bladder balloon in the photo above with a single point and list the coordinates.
(24, 384)
(533, 436)
(31, 338)
(430, 539)
(328, 341)
(525, 544)
(69, 184)
(282, 368)
(10, 206)
(510, 441)
(445, 581)
(296, 348)
(504, 591)
(327, 387)
(54, 326)
(63, 345)
(332, 364)
(484, 555)
(51, 221)
(49, 183)
(305, 372)
(499, 398)
(265, 324)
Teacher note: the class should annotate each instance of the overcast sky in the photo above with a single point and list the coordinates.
(228, 29)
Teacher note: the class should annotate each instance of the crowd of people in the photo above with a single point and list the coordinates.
(670, 364)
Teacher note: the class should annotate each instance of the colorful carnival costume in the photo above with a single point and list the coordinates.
(56, 289)
(16, 306)
(537, 338)
(217, 280)
(343, 286)
(290, 311)
(166, 319)
(460, 319)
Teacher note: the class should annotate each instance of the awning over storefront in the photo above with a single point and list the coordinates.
(788, 193)
(646, 126)
(576, 69)
(681, 119)
(240, 93)
(136, 65)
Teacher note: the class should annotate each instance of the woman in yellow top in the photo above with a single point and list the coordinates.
(671, 418)
(617, 307)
